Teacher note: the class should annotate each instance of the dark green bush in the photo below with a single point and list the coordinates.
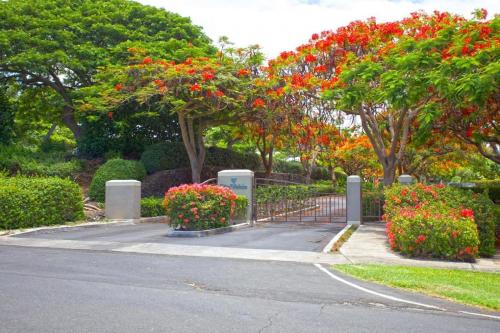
(492, 187)
(226, 158)
(168, 156)
(282, 166)
(152, 206)
(30, 162)
(114, 169)
(132, 129)
(320, 173)
(165, 156)
(32, 202)
(6, 118)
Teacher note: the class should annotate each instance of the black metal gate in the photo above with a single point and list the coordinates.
(280, 201)
(372, 205)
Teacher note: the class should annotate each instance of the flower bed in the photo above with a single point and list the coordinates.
(201, 207)
(438, 221)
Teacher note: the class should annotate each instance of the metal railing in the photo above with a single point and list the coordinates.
(280, 200)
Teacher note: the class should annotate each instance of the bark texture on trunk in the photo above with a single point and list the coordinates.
(192, 137)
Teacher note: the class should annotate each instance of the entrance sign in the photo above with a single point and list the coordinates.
(241, 182)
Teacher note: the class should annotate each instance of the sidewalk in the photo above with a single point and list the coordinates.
(368, 245)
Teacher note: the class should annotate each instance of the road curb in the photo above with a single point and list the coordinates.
(335, 239)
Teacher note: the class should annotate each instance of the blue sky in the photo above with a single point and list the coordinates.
(279, 25)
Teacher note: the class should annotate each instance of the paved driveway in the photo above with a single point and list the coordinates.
(277, 236)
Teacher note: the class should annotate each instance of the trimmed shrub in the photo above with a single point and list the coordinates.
(152, 206)
(418, 195)
(114, 169)
(199, 207)
(165, 156)
(227, 158)
(32, 202)
(168, 156)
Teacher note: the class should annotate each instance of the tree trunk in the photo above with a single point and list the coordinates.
(192, 137)
(308, 171)
(49, 133)
(333, 176)
(266, 155)
(69, 120)
(389, 173)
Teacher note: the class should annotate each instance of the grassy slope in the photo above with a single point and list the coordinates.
(467, 287)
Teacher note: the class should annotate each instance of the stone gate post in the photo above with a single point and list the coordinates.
(353, 200)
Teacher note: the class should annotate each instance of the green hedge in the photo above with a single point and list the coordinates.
(240, 209)
(447, 201)
(268, 194)
(152, 206)
(168, 156)
(114, 169)
(32, 202)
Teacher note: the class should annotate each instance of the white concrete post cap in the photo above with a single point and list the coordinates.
(354, 179)
(125, 182)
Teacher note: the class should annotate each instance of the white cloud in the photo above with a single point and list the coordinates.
(281, 25)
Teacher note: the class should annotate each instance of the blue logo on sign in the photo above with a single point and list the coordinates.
(235, 186)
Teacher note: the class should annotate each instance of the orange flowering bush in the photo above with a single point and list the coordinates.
(439, 221)
(200, 207)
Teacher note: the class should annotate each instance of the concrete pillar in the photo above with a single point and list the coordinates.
(353, 200)
(123, 199)
(405, 180)
(241, 182)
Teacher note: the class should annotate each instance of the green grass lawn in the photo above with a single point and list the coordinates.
(467, 287)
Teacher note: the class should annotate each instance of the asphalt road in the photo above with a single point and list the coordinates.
(275, 236)
(52, 290)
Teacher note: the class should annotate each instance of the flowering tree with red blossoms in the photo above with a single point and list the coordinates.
(203, 92)
(310, 138)
(399, 78)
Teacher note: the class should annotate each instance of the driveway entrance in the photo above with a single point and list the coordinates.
(288, 236)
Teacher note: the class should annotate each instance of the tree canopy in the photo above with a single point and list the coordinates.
(61, 44)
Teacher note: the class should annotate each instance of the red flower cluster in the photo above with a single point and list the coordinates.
(195, 87)
(119, 87)
(420, 239)
(310, 58)
(207, 76)
(259, 102)
(243, 72)
(467, 213)
(320, 69)
(147, 61)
